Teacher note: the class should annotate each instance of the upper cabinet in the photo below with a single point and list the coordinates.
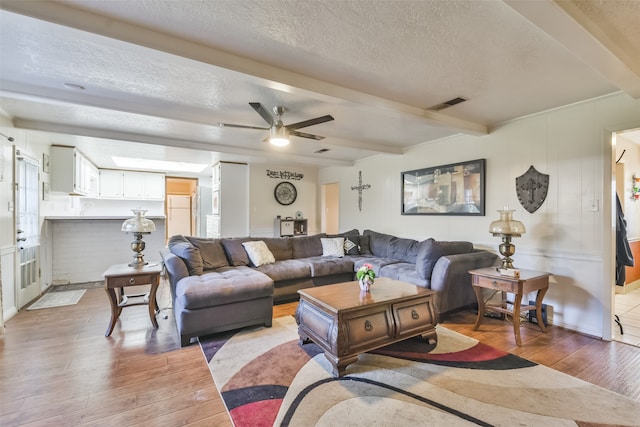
(117, 184)
(72, 172)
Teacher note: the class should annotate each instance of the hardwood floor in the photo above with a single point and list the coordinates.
(58, 369)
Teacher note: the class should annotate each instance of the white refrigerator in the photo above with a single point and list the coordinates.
(178, 215)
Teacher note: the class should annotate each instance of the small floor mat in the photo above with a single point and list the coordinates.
(58, 299)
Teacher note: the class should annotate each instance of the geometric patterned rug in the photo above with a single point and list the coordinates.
(267, 379)
(58, 299)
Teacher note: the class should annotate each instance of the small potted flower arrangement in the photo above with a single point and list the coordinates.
(365, 275)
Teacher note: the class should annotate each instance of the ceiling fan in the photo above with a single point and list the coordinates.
(278, 132)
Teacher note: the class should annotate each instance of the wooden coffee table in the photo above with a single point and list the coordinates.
(345, 322)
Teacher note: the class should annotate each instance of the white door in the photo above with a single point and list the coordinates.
(27, 229)
(178, 215)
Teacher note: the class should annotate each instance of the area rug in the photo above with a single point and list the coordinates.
(58, 299)
(267, 379)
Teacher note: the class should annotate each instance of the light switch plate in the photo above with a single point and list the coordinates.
(595, 206)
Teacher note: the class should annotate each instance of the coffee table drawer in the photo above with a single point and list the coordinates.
(497, 284)
(368, 330)
(413, 317)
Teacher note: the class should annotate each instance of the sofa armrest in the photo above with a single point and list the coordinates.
(176, 268)
(451, 279)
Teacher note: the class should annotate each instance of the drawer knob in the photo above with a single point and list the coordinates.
(368, 326)
(414, 315)
(494, 283)
(132, 281)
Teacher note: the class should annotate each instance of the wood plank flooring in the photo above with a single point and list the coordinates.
(58, 369)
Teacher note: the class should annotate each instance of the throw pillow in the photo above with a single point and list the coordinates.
(333, 246)
(351, 245)
(259, 253)
(212, 252)
(181, 247)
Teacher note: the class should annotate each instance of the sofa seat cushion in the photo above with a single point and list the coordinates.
(376, 262)
(286, 270)
(223, 286)
(327, 265)
(405, 272)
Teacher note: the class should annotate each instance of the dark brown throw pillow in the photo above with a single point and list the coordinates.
(181, 247)
(211, 251)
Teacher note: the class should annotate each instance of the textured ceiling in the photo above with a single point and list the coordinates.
(165, 72)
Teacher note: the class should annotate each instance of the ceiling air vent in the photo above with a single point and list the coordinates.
(447, 104)
(322, 150)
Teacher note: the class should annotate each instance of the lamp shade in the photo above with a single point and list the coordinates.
(506, 225)
(138, 224)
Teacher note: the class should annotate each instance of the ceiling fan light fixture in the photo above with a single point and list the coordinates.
(279, 136)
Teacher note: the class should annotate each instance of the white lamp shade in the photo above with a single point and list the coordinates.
(138, 224)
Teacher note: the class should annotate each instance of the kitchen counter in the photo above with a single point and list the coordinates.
(87, 217)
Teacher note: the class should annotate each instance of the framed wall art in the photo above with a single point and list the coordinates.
(455, 189)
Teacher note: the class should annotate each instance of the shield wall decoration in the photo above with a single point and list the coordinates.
(532, 187)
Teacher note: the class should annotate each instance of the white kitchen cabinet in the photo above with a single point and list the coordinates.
(154, 184)
(131, 185)
(111, 184)
(72, 172)
(232, 219)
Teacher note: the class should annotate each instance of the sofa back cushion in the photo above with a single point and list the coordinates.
(431, 250)
(404, 249)
(280, 247)
(307, 246)
(379, 242)
(211, 251)
(235, 251)
(183, 248)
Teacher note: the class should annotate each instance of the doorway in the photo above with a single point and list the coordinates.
(180, 206)
(330, 220)
(27, 228)
(626, 301)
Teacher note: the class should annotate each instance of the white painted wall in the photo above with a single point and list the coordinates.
(563, 237)
(265, 208)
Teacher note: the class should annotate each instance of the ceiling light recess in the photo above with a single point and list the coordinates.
(158, 165)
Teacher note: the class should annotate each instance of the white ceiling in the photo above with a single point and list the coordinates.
(159, 75)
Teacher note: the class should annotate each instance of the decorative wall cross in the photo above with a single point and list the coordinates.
(360, 187)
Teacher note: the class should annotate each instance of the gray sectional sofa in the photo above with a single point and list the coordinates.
(224, 284)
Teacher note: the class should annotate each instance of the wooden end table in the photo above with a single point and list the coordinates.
(120, 276)
(345, 322)
(529, 281)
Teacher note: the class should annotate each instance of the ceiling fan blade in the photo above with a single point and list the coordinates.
(310, 122)
(229, 125)
(266, 115)
(306, 135)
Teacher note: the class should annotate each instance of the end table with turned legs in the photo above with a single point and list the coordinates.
(120, 276)
(528, 281)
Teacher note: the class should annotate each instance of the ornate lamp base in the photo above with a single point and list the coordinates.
(137, 246)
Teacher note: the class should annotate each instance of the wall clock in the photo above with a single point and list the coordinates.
(285, 193)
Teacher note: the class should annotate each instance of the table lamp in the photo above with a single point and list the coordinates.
(138, 225)
(507, 227)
